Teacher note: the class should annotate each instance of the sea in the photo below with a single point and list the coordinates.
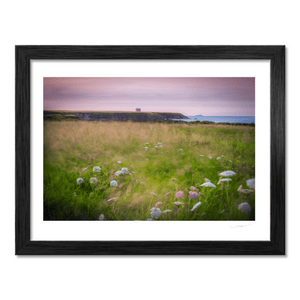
(220, 119)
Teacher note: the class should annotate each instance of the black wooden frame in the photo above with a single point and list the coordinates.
(24, 246)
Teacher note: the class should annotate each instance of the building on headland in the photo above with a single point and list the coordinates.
(138, 109)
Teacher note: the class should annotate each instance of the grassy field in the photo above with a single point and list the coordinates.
(176, 159)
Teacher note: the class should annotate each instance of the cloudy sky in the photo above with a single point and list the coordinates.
(208, 96)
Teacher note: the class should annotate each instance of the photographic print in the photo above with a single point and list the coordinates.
(165, 147)
(149, 148)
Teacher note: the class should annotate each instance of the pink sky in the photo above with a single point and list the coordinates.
(208, 96)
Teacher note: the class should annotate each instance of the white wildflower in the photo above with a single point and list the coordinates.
(113, 183)
(244, 207)
(227, 173)
(118, 173)
(224, 180)
(208, 184)
(155, 213)
(96, 169)
(251, 183)
(93, 180)
(111, 199)
(80, 180)
(180, 149)
(218, 158)
(196, 206)
(124, 171)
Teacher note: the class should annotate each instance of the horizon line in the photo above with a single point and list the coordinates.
(129, 111)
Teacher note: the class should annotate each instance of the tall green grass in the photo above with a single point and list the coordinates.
(69, 147)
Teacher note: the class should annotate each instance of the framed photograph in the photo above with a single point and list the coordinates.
(191, 138)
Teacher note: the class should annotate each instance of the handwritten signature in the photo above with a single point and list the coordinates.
(236, 226)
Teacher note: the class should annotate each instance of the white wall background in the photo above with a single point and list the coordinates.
(156, 22)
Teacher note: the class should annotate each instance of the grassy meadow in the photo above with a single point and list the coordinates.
(177, 157)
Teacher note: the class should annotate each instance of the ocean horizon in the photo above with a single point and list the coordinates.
(220, 119)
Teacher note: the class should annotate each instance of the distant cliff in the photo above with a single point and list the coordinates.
(112, 116)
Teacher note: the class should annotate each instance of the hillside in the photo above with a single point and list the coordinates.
(112, 116)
